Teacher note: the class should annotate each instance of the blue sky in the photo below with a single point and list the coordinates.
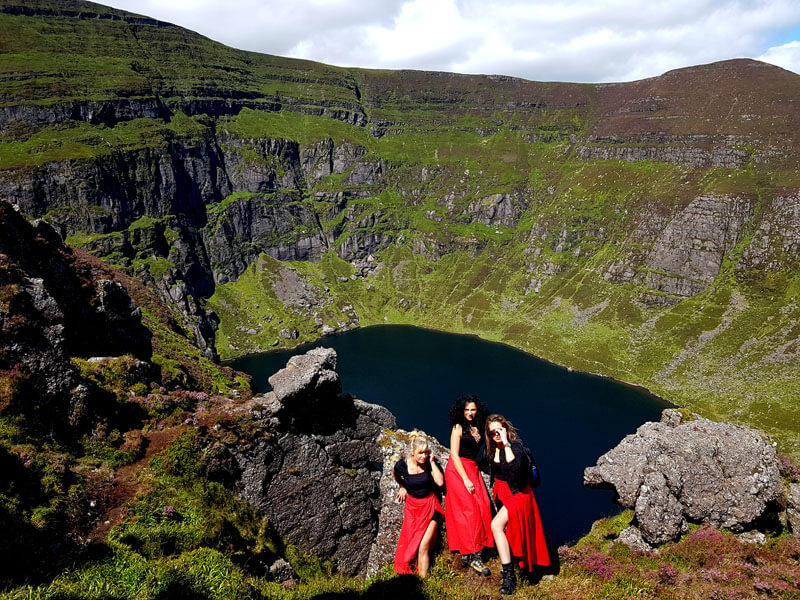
(544, 40)
(791, 34)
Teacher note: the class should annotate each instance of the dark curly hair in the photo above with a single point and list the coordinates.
(457, 412)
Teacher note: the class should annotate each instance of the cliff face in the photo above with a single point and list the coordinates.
(315, 474)
(48, 304)
(645, 230)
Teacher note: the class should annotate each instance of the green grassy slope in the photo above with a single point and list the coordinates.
(589, 177)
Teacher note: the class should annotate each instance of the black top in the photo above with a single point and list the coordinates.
(468, 448)
(419, 485)
(514, 473)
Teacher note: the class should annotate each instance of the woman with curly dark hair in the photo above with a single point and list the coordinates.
(467, 508)
(517, 527)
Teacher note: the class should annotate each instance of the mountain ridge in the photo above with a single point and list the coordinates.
(643, 230)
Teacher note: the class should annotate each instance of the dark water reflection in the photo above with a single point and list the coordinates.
(568, 419)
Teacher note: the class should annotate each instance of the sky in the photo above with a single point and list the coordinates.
(542, 40)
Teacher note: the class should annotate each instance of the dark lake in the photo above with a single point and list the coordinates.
(567, 418)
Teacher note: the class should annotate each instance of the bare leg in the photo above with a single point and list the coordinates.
(423, 558)
(499, 532)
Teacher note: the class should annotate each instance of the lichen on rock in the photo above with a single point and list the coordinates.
(698, 471)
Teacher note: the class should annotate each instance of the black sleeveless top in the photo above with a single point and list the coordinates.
(468, 448)
(419, 485)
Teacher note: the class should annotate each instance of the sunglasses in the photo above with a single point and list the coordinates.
(494, 432)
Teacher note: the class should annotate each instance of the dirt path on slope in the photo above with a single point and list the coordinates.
(127, 486)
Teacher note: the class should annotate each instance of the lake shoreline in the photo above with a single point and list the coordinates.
(417, 373)
(306, 346)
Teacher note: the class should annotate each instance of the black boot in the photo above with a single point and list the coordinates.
(476, 562)
(509, 580)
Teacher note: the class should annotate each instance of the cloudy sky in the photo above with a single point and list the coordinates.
(543, 40)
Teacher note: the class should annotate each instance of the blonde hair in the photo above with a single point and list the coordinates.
(417, 441)
(512, 433)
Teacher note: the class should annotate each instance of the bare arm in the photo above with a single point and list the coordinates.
(507, 449)
(402, 492)
(455, 447)
(436, 472)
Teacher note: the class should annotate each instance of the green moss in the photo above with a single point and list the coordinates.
(181, 458)
(156, 266)
(109, 374)
(606, 530)
(302, 128)
(79, 240)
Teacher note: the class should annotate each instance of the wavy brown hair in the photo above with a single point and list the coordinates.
(512, 433)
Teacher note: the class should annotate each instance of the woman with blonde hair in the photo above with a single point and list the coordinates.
(517, 526)
(419, 477)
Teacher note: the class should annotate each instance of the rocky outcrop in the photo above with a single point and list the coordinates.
(686, 250)
(279, 225)
(776, 243)
(497, 209)
(700, 471)
(793, 508)
(692, 151)
(47, 306)
(311, 461)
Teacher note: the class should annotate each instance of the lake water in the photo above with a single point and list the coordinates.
(567, 418)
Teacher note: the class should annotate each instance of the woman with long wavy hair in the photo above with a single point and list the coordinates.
(467, 508)
(419, 477)
(517, 526)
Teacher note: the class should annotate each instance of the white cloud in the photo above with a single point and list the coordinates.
(786, 56)
(566, 40)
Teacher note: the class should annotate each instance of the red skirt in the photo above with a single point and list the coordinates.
(524, 530)
(468, 516)
(418, 514)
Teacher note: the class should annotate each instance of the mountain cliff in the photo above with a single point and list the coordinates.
(648, 231)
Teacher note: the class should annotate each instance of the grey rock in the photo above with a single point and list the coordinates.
(309, 375)
(632, 537)
(671, 417)
(288, 334)
(296, 293)
(793, 508)
(658, 511)
(314, 472)
(752, 537)
(691, 248)
(281, 571)
(688, 150)
(776, 242)
(713, 473)
(497, 209)
(682, 253)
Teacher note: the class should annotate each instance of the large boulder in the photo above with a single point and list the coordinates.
(310, 461)
(793, 508)
(706, 472)
(307, 377)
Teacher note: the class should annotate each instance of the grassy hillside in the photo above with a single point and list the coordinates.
(577, 222)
